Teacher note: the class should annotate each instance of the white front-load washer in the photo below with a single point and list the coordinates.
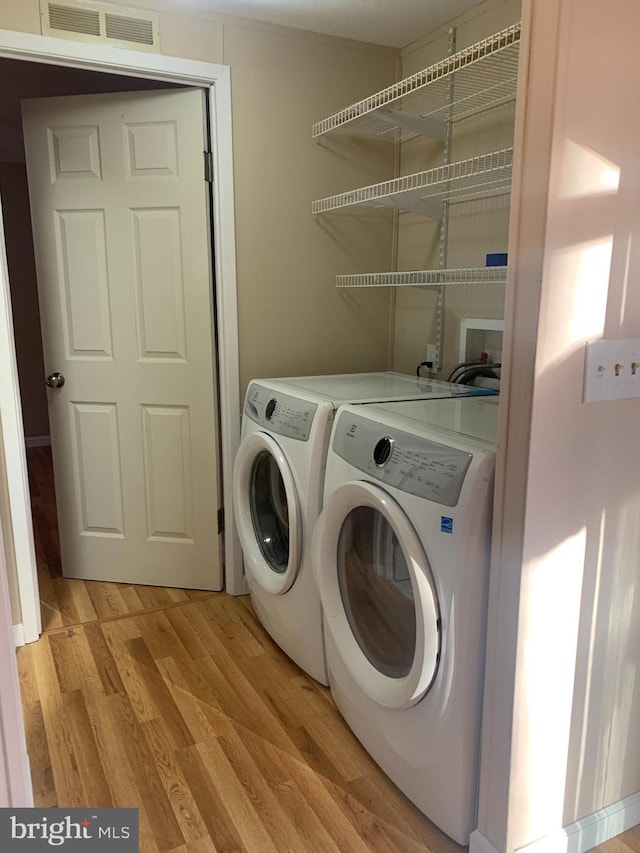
(401, 558)
(278, 486)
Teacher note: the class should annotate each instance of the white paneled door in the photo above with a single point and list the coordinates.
(121, 232)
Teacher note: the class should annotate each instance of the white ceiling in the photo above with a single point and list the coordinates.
(395, 23)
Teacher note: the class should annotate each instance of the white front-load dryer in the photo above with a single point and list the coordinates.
(278, 485)
(401, 560)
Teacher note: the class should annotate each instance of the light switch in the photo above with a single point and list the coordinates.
(611, 370)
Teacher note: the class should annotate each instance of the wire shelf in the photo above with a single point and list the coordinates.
(478, 177)
(485, 75)
(425, 278)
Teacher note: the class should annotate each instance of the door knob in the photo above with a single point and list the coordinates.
(55, 380)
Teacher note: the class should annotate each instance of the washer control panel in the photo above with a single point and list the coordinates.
(415, 465)
(279, 413)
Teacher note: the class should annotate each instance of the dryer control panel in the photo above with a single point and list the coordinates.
(415, 465)
(280, 413)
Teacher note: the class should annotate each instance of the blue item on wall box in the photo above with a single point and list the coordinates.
(496, 259)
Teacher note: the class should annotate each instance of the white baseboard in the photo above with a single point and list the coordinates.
(37, 440)
(580, 836)
(18, 635)
(604, 824)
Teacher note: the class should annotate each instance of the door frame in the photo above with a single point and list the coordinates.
(216, 79)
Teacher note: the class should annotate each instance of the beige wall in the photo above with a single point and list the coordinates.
(564, 651)
(474, 228)
(292, 318)
(589, 452)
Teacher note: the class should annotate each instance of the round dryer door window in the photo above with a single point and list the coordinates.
(270, 511)
(376, 591)
(267, 514)
(378, 594)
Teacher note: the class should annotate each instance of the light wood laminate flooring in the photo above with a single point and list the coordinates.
(193, 715)
(187, 710)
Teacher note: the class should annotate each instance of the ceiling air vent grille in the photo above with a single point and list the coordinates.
(74, 20)
(128, 29)
(89, 21)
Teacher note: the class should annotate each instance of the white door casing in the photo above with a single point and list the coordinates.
(121, 235)
(216, 80)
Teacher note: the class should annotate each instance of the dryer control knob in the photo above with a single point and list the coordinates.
(382, 451)
(270, 409)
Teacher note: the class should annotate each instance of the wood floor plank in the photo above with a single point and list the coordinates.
(135, 688)
(203, 845)
(74, 660)
(104, 661)
(194, 631)
(246, 705)
(66, 602)
(284, 786)
(84, 608)
(129, 594)
(331, 816)
(115, 758)
(96, 790)
(45, 668)
(166, 831)
(265, 804)
(106, 599)
(160, 636)
(210, 801)
(239, 805)
(617, 845)
(310, 749)
(632, 838)
(159, 693)
(231, 619)
(203, 717)
(321, 742)
(177, 789)
(49, 606)
(377, 793)
(195, 594)
(44, 792)
(152, 597)
(378, 834)
(64, 752)
(229, 631)
(27, 675)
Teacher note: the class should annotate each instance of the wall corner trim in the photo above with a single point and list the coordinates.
(478, 843)
(19, 635)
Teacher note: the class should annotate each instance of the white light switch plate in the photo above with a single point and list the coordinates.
(611, 370)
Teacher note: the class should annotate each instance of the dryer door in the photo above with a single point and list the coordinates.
(378, 594)
(267, 513)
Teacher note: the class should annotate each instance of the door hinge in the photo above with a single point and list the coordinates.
(208, 166)
(221, 520)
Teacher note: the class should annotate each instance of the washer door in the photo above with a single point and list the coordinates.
(267, 513)
(378, 594)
